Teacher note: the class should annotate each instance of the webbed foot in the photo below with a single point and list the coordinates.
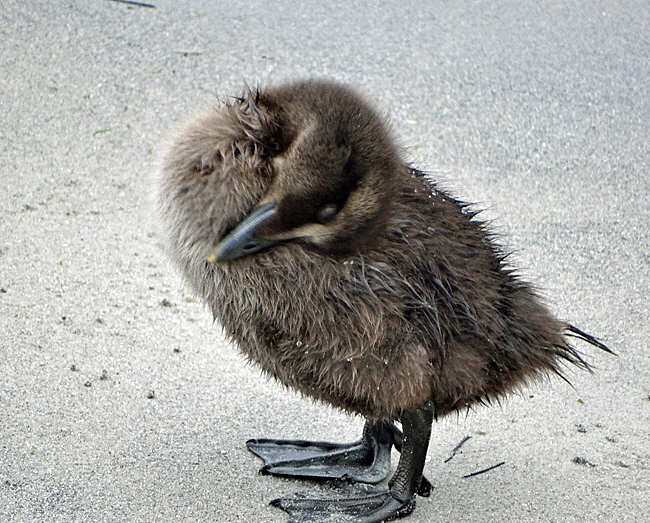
(345, 503)
(366, 460)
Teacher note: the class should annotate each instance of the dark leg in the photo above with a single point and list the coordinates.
(425, 487)
(407, 480)
(366, 460)
(372, 505)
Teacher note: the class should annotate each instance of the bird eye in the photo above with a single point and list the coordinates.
(326, 213)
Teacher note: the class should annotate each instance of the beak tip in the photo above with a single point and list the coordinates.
(213, 258)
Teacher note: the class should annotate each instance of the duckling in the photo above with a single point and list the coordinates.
(352, 278)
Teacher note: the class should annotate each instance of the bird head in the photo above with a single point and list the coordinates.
(308, 162)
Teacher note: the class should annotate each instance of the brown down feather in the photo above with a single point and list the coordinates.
(404, 296)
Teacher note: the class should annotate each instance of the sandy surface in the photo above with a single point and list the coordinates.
(120, 401)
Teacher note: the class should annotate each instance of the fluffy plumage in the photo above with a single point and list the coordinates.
(375, 290)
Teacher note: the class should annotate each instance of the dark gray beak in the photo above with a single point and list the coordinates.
(243, 240)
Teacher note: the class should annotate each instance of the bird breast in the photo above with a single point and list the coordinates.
(334, 329)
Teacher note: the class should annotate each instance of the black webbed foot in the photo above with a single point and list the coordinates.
(356, 503)
(366, 460)
(345, 503)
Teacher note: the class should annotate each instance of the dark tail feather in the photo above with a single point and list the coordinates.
(574, 332)
(569, 353)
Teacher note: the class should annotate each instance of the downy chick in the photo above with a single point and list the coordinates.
(351, 277)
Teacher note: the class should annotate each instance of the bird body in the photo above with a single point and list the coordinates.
(342, 271)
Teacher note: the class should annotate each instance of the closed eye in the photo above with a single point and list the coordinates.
(326, 213)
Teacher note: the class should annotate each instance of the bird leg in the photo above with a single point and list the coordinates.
(425, 487)
(366, 460)
(368, 504)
